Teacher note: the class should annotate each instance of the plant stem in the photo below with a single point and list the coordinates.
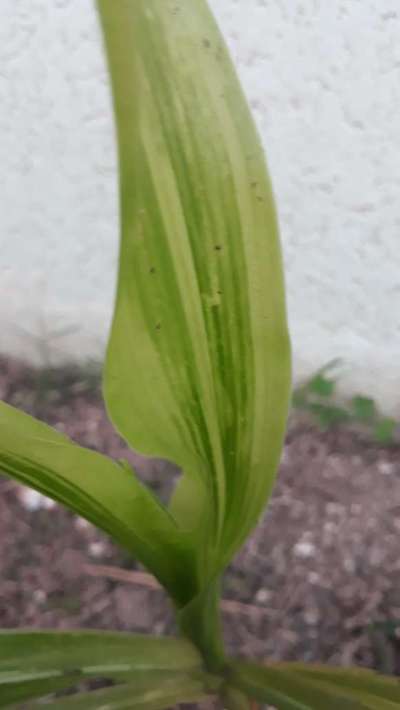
(200, 621)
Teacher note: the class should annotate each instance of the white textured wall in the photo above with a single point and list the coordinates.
(323, 79)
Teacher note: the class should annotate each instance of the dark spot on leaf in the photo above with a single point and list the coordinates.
(158, 326)
(152, 270)
(206, 43)
(219, 293)
(254, 183)
(260, 199)
(218, 247)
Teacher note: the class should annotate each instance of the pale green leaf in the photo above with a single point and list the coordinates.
(105, 492)
(357, 679)
(198, 361)
(301, 687)
(36, 663)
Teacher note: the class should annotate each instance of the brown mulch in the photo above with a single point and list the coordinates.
(321, 567)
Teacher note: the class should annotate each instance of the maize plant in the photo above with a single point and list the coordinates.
(197, 371)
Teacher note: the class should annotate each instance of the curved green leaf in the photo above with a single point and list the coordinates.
(101, 490)
(300, 687)
(198, 365)
(36, 663)
(49, 650)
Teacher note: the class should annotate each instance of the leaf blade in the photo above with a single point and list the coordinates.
(101, 490)
(200, 312)
(156, 695)
(311, 688)
(358, 679)
(35, 663)
(21, 688)
(39, 650)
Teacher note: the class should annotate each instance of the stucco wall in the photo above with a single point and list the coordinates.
(323, 80)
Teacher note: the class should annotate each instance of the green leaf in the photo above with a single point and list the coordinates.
(356, 679)
(364, 408)
(18, 687)
(385, 430)
(301, 687)
(329, 415)
(35, 663)
(47, 650)
(101, 490)
(158, 694)
(198, 363)
(321, 385)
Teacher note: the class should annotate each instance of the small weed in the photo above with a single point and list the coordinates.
(318, 396)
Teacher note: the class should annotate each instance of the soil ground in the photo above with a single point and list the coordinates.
(320, 569)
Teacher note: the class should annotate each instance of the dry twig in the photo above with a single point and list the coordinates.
(142, 579)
